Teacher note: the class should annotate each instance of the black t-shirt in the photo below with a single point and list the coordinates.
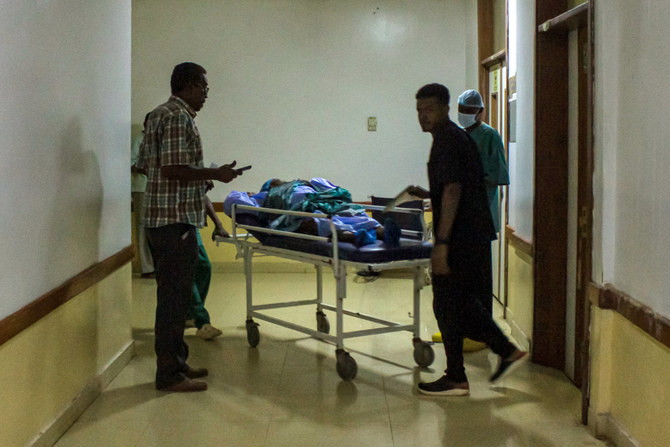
(454, 158)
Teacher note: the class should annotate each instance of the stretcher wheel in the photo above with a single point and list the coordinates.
(423, 354)
(346, 365)
(322, 324)
(253, 334)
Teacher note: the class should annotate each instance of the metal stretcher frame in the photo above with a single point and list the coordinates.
(247, 246)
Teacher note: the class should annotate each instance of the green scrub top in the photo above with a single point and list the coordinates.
(492, 153)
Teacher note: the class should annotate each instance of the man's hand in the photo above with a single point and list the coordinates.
(226, 173)
(135, 170)
(418, 192)
(219, 231)
(209, 185)
(438, 260)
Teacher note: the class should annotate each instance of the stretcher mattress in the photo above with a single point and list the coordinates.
(379, 252)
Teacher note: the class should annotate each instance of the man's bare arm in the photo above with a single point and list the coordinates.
(451, 196)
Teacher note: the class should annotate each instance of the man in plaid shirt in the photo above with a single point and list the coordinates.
(176, 185)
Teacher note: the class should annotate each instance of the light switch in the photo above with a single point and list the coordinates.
(372, 124)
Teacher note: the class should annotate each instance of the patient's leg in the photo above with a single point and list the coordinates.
(308, 226)
(346, 236)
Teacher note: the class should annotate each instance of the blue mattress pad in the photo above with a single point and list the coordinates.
(379, 252)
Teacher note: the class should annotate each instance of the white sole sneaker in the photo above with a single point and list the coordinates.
(208, 332)
(450, 392)
(444, 387)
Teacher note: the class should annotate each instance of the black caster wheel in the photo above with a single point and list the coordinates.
(423, 354)
(253, 334)
(322, 324)
(346, 365)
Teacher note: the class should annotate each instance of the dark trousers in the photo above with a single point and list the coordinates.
(175, 251)
(458, 303)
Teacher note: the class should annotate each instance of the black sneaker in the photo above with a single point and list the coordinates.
(509, 365)
(444, 387)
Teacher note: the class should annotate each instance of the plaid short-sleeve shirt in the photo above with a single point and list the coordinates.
(172, 138)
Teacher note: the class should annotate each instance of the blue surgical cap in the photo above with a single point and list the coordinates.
(471, 98)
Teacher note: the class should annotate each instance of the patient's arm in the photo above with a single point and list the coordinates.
(218, 227)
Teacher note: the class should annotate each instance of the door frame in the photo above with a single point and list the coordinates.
(499, 60)
(552, 36)
(549, 244)
(489, 58)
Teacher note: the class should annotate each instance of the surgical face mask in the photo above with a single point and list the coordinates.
(467, 119)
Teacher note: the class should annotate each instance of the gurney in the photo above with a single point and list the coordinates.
(251, 238)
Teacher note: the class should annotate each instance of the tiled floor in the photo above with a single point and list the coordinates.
(286, 392)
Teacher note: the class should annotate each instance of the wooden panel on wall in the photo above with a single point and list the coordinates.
(42, 306)
(518, 242)
(609, 297)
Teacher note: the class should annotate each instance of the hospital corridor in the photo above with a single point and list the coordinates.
(286, 392)
(137, 135)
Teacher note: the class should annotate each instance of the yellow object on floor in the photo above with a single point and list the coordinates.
(469, 345)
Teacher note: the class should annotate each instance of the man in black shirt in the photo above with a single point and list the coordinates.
(461, 258)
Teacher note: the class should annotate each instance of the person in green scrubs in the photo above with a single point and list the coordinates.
(490, 145)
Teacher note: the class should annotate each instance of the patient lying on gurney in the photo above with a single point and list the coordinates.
(317, 195)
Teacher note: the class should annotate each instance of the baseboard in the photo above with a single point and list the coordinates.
(605, 426)
(94, 387)
(518, 334)
(116, 364)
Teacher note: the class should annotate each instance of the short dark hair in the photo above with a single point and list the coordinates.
(438, 91)
(184, 74)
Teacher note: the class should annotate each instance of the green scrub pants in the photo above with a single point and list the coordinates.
(203, 276)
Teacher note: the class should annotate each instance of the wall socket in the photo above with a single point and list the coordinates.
(372, 124)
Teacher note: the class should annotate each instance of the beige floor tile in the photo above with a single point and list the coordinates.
(310, 433)
(286, 391)
(204, 430)
(112, 431)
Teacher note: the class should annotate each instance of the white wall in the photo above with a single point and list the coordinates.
(521, 153)
(471, 53)
(64, 159)
(293, 82)
(632, 59)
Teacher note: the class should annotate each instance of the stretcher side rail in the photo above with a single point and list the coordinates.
(248, 247)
